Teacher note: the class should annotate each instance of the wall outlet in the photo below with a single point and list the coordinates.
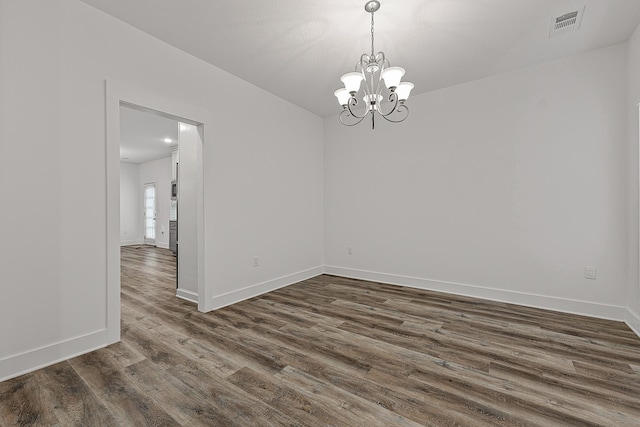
(590, 272)
(256, 261)
(349, 250)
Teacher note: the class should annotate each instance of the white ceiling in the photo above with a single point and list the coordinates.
(142, 135)
(298, 49)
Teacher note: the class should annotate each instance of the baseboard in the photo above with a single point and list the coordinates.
(633, 321)
(162, 245)
(602, 311)
(19, 364)
(233, 297)
(187, 295)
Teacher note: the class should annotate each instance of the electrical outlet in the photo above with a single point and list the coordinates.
(256, 261)
(349, 250)
(590, 272)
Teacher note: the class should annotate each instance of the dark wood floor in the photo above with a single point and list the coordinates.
(334, 351)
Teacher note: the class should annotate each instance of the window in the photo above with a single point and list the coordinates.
(150, 213)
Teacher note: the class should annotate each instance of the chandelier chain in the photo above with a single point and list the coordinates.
(372, 50)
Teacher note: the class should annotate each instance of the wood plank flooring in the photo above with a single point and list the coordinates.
(334, 351)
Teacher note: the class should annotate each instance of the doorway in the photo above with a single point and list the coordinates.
(118, 94)
(160, 154)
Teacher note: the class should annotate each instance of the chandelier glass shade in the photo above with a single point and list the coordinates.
(365, 85)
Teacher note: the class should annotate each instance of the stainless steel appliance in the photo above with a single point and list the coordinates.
(174, 190)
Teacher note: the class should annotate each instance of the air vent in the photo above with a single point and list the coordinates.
(566, 23)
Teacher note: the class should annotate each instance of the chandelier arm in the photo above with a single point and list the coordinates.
(353, 102)
(364, 59)
(379, 83)
(348, 114)
(383, 63)
(402, 109)
(393, 98)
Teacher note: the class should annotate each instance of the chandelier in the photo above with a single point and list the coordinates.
(369, 74)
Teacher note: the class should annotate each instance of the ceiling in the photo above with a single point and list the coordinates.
(143, 133)
(298, 49)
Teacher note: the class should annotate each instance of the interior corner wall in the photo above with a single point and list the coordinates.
(503, 188)
(261, 189)
(633, 175)
(130, 205)
(159, 172)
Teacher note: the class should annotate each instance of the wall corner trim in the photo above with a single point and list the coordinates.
(633, 321)
(187, 295)
(223, 300)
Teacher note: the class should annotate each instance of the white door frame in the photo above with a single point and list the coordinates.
(117, 93)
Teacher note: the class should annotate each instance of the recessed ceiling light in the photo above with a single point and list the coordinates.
(168, 140)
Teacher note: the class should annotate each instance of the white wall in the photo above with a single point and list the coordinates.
(506, 188)
(633, 83)
(189, 143)
(158, 171)
(130, 205)
(263, 175)
(133, 177)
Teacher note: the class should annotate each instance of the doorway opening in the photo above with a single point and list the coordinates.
(194, 119)
(153, 146)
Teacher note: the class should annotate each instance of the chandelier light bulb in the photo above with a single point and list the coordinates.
(392, 76)
(352, 81)
(403, 90)
(343, 96)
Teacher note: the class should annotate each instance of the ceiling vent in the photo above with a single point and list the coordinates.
(566, 23)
